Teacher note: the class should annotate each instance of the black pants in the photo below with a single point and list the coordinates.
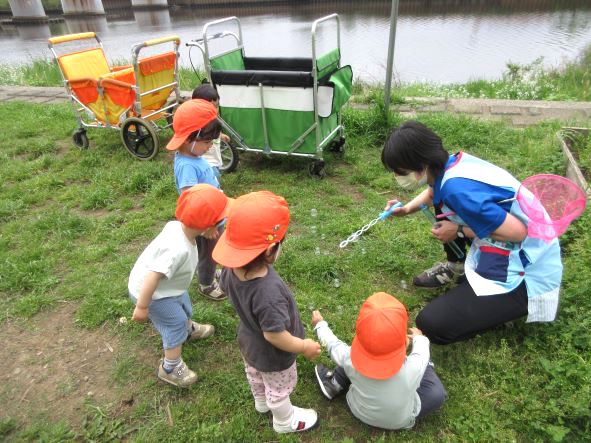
(206, 265)
(463, 244)
(460, 314)
(431, 390)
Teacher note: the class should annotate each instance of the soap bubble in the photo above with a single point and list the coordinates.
(323, 237)
(336, 283)
(403, 284)
(317, 250)
(313, 229)
(313, 212)
(363, 251)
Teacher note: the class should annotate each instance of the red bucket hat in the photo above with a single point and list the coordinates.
(202, 206)
(188, 118)
(379, 346)
(255, 221)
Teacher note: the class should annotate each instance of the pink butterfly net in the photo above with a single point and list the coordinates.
(551, 202)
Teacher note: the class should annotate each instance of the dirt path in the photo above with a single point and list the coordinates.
(52, 368)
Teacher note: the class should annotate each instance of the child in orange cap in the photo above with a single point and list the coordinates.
(386, 388)
(271, 333)
(160, 278)
(195, 127)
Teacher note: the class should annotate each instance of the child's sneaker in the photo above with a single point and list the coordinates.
(213, 291)
(199, 331)
(301, 420)
(180, 376)
(328, 385)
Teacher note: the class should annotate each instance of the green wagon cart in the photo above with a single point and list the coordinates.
(278, 106)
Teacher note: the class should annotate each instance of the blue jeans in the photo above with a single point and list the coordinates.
(170, 317)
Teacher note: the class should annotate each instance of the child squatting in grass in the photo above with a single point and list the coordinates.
(270, 333)
(385, 387)
(161, 276)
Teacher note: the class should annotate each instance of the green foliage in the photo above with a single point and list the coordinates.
(73, 223)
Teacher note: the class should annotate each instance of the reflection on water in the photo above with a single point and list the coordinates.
(438, 40)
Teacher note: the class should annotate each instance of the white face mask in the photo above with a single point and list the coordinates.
(410, 181)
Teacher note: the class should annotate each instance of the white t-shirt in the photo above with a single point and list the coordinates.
(172, 254)
(214, 154)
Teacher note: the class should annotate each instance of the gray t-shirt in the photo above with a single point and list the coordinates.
(264, 304)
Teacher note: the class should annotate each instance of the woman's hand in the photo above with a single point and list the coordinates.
(397, 212)
(311, 349)
(316, 318)
(140, 314)
(445, 231)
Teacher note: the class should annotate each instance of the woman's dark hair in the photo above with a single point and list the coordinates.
(260, 259)
(206, 92)
(412, 147)
(210, 131)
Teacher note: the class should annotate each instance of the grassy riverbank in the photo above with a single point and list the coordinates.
(73, 222)
(519, 82)
(529, 82)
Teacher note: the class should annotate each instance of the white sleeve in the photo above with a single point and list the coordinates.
(339, 351)
(418, 360)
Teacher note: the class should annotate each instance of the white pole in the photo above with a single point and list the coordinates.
(390, 63)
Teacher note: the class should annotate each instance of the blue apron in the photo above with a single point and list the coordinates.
(494, 267)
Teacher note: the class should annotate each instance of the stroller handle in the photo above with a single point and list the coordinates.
(71, 38)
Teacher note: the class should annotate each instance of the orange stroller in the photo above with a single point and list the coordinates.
(131, 99)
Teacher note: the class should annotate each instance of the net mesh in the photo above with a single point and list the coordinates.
(551, 202)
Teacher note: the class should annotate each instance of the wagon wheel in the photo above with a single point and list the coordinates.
(316, 169)
(338, 146)
(229, 157)
(140, 138)
(80, 138)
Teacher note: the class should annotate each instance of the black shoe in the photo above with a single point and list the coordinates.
(439, 275)
(328, 385)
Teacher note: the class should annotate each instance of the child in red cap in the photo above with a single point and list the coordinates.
(386, 388)
(271, 333)
(160, 278)
(195, 127)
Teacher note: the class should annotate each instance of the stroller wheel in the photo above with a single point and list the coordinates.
(80, 138)
(316, 169)
(229, 157)
(140, 138)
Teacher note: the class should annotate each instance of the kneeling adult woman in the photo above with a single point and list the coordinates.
(507, 274)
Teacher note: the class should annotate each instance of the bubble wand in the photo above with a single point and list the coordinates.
(357, 234)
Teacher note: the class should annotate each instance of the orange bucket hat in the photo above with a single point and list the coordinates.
(188, 118)
(202, 206)
(255, 221)
(379, 346)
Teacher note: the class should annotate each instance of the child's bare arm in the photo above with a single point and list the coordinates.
(286, 342)
(140, 313)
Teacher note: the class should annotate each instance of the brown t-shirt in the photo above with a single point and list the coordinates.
(263, 304)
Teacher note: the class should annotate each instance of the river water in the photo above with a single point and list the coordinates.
(439, 41)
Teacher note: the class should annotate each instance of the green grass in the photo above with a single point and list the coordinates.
(72, 223)
(571, 81)
(520, 82)
(45, 72)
